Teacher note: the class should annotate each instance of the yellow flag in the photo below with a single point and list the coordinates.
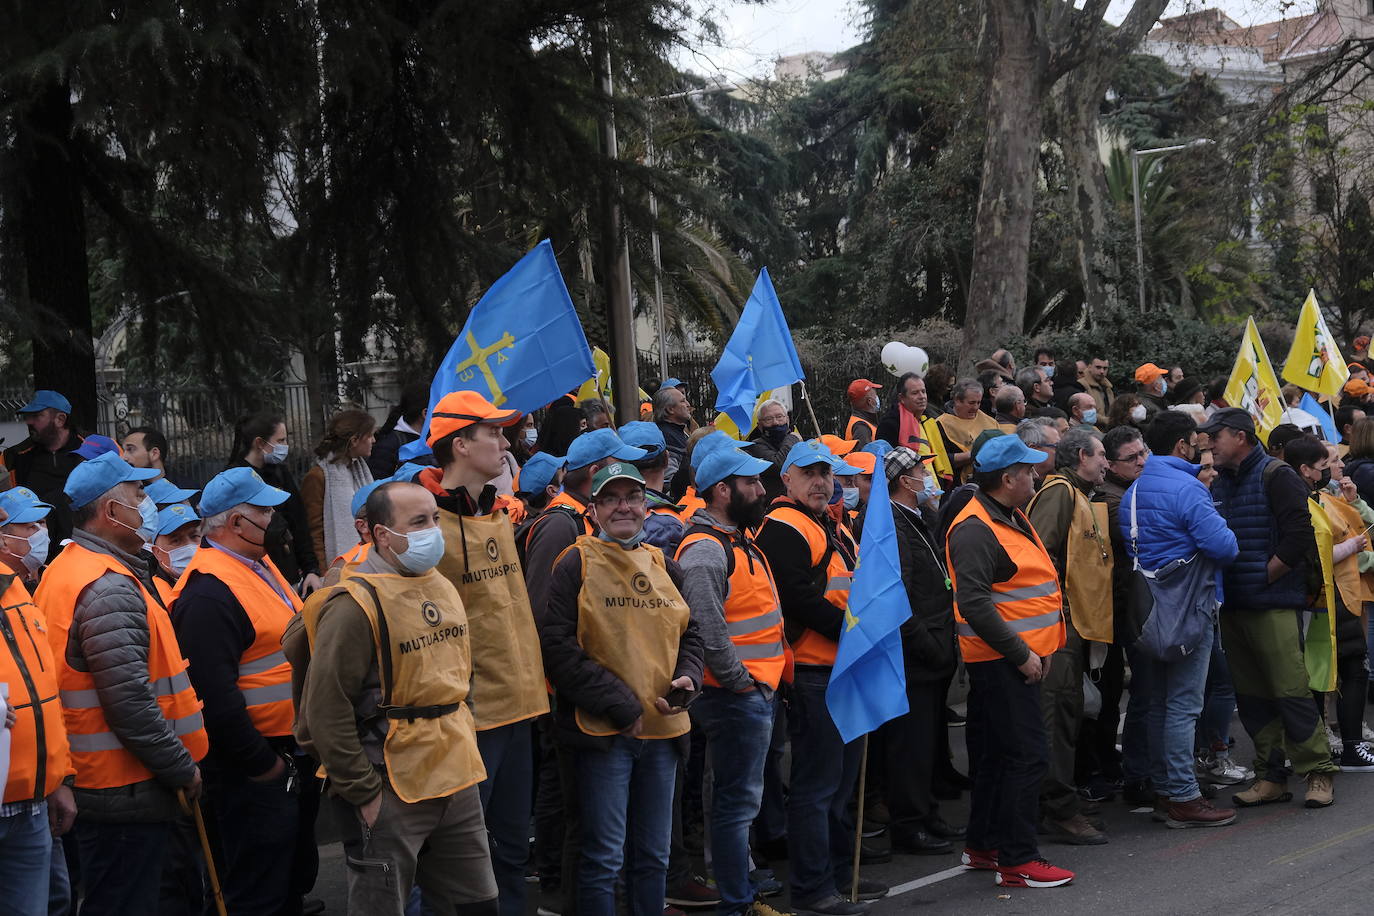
(1253, 386)
(723, 422)
(1315, 362)
(599, 385)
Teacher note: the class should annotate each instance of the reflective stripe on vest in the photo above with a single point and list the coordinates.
(757, 637)
(264, 673)
(811, 648)
(1030, 601)
(100, 758)
(39, 756)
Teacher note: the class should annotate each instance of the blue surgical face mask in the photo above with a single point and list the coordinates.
(278, 453)
(932, 491)
(38, 549)
(1163, 386)
(178, 558)
(424, 550)
(627, 543)
(1048, 370)
(531, 437)
(851, 497)
(148, 530)
(1090, 416)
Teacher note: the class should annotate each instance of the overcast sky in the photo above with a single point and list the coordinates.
(755, 35)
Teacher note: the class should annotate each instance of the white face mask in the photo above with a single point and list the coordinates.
(851, 497)
(278, 453)
(38, 549)
(1048, 370)
(147, 528)
(1138, 412)
(178, 558)
(531, 437)
(424, 550)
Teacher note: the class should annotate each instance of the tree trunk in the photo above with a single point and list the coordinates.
(1006, 200)
(52, 222)
(1076, 101)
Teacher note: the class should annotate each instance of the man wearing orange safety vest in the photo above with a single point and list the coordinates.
(863, 412)
(730, 589)
(133, 720)
(480, 560)
(1009, 617)
(230, 609)
(38, 805)
(813, 562)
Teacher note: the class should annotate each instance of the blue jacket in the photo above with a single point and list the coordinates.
(1270, 519)
(1176, 517)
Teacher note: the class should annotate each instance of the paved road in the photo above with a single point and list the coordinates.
(1275, 860)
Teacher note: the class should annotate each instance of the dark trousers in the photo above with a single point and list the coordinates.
(548, 810)
(911, 745)
(569, 785)
(1007, 733)
(506, 800)
(1061, 700)
(121, 866)
(1097, 753)
(259, 828)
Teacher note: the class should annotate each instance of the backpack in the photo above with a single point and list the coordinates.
(1177, 602)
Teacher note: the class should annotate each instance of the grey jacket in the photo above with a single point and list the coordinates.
(109, 638)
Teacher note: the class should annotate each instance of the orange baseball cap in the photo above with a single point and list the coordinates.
(1357, 388)
(860, 387)
(1148, 373)
(866, 462)
(460, 409)
(839, 447)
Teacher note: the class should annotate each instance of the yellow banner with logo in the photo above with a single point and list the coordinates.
(1314, 361)
(599, 385)
(1253, 386)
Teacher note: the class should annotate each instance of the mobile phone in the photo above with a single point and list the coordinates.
(681, 697)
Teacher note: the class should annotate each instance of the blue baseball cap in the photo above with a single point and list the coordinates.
(538, 472)
(237, 486)
(598, 445)
(712, 442)
(813, 451)
(165, 493)
(417, 449)
(645, 435)
(360, 497)
(22, 506)
(879, 447)
(728, 462)
(43, 399)
(174, 517)
(1002, 452)
(407, 472)
(670, 383)
(94, 446)
(90, 479)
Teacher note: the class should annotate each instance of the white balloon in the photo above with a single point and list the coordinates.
(899, 359)
(892, 351)
(917, 361)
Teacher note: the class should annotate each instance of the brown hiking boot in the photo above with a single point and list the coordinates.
(1198, 813)
(1320, 790)
(1262, 792)
(1075, 831)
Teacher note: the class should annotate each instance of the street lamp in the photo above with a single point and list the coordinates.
(1136, 156)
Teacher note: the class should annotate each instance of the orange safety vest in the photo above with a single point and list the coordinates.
(264, 673)
(101, 760)
(753, 615)
(39, 758)
(690, 503)
(1030, 601)
(355, 554)
(856, 420)
(828, 560)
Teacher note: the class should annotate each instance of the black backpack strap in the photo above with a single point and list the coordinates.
(726, 543)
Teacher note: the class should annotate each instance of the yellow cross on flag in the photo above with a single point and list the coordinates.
(1253, 386)
(1315, 362)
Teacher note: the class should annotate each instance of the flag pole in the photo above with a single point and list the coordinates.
(859, 827)
(807, 398)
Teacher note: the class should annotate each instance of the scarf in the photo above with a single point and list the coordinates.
(341, 480)
(909, 431)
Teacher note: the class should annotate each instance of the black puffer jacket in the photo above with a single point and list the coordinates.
(760, 447)
(928, 644)
(109, 637)
(1361, 470)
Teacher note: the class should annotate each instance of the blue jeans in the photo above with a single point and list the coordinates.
(1135, 731)
(1219, 701)
(25, 856)
(1175, 704)
(739, 729)
(121, 865)
(507, 796)
(628, 794)
(820, 832)
(59, 882)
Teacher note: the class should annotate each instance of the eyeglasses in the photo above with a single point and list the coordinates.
(1134, 457)
(634, 501)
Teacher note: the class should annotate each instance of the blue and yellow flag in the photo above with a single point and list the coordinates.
(868, 683)
(523, 345)
(759, 355)
(1314, 361)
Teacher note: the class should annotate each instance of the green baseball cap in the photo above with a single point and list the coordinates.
(620, 470)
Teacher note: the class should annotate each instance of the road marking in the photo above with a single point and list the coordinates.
(1325, 844)
(928, 880)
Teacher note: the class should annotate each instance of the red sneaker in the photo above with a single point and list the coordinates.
(1037, 873)
(982, 859)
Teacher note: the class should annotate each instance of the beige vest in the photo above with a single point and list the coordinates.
(630, 619)
(1087, 564)
(507, 664)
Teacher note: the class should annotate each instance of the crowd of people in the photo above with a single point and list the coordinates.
(471, 626)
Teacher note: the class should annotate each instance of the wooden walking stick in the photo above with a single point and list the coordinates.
(859, 827)
(194, 811)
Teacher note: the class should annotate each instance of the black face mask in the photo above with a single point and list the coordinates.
(775, 434)
(744, 512)
(1326, 479)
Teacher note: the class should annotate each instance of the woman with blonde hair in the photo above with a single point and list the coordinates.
(340, 471)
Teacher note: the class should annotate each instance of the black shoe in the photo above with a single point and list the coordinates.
(1097, 790)
(868, 890)
(874, 855)
(834, 905)
(953, 718)
(920, 843)
(937, 826)
(1138, 793)
(312, 906)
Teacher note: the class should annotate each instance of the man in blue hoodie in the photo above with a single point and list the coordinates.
(1175, 520)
